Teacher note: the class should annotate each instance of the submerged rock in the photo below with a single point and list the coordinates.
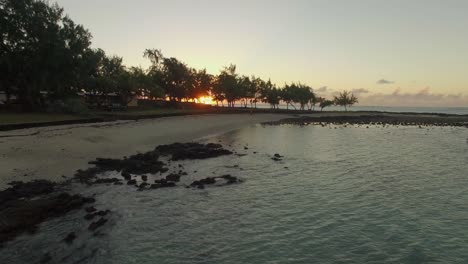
(108, 180)
(25, 214)
(132, 182)
(91, 216)
(184, 151)
(95, 225)
(137, 164)
(70, 238)
(20, 189)
(90, 209)
(46, 258)
(173, 177)
(163, 185)
(227, 179)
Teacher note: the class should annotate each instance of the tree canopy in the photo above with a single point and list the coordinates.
(45, 57)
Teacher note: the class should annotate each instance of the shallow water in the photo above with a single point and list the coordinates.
(348, 195)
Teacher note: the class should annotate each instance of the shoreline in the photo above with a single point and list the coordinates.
(56, 153)
(129, 116)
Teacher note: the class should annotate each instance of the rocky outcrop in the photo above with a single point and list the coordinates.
(218, 181)
(20, 213)
(188, 151)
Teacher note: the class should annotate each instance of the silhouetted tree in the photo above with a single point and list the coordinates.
(325, 103)
(226, 86)
(345, 99)
(41, 52)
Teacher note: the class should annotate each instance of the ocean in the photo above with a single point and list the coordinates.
(394, 109)
(340, 195)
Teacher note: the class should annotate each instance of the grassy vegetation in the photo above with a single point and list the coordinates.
(8, 118)
(22, 118)
(146, 112)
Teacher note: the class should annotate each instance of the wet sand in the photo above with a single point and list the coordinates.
(56, 153)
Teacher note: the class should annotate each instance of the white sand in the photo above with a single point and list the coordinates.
(50, 152)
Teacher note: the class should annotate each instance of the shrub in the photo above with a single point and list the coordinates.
(69, 106)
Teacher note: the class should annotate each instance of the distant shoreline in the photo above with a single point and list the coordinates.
(122, 116)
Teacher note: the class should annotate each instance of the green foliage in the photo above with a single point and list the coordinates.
(69, 106)
(41, 51)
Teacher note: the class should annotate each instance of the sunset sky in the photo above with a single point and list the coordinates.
(399, 52)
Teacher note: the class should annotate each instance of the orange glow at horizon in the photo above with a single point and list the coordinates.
(208, 100)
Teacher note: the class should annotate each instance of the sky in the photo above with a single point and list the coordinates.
(388, 52)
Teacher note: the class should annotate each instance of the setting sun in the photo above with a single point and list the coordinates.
(205, 100)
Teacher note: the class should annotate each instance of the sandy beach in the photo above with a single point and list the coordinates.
(55, 153)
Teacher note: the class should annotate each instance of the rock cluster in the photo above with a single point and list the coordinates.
(185, 151)
(225, 180)
(25, 205)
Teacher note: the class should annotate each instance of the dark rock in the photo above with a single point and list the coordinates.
(132, 182)
(89, 216)
(144, 178)
(277, 155)
(45, 259)
(108, 180)
(95, 225)
(208, 180)
(173, 177)
(230, 179)
(89, 200)
(118, 183)
(70, 238)
(103, 213)
(161, 181)
(137, 164)
(246, 148)
(183, 151)
(20, 189)
(226, 180)
(93, 215)
(25, 214)
(214, 145)
(90, 209)
(127, 176)
(163, 185)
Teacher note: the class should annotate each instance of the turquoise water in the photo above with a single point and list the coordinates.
(348, 195)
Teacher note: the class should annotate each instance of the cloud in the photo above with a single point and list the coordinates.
(424, 97)
(322, 89)
(360, 91)
(383, 81)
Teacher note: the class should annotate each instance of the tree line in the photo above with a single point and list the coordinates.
(46, 57)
